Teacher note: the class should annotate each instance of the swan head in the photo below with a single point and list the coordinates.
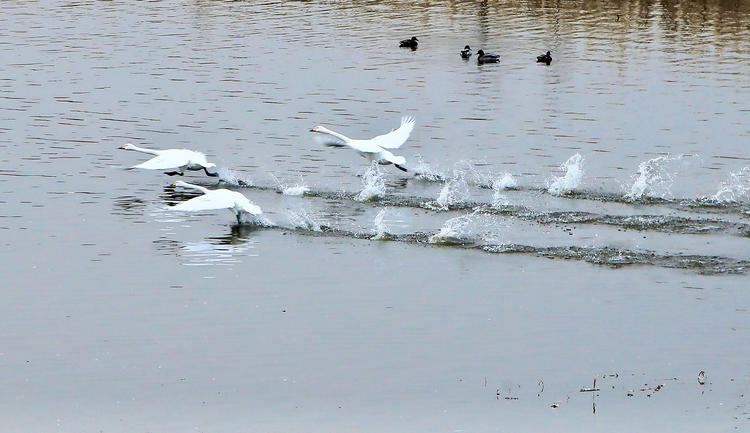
(321, 129)
(179, 183)
(127, 146)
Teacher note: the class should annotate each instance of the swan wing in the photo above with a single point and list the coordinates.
(203, 202)
(397, 137)
(167, 159)
(329, 140)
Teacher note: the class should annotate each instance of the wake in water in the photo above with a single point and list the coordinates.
(424, 171)
(568, 182)
(735, 189)
(373, 184)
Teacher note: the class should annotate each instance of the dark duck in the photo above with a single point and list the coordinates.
(487, 58)
(409, 43)
(544, 58)
(466, 52)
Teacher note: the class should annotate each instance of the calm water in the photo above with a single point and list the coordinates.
(587, 219)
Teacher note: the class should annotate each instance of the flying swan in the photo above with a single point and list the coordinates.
(374, 149)
(177, 159)
(217, 199)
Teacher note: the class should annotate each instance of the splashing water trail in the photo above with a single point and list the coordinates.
(571, 179)
(734, 189)
(373, 184)
(469, 229)
(233, 178)
(381, 230)
(653, 179)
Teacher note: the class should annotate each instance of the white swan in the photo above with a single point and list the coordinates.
(179, 159)
(373, 149)
(217, 199)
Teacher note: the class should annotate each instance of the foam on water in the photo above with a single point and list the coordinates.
(381, 230)
(735, 189)
(568, 182)
(654, 179)
(373, 184)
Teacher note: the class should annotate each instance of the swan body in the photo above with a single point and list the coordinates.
(466, 52)
(409, 43)
(544, 58)
(374, 149)
(487, 58)
(177, 159)
(217, 199)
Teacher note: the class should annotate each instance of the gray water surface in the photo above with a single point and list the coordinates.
(480, 291)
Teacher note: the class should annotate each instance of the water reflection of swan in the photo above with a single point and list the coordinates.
(228, 249)
(217, 199)
(178, 159)
(373, 149)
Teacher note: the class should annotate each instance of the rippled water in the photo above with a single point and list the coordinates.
(590, 218)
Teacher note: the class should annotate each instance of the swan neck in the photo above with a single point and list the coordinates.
(340, 136)
(143, 150)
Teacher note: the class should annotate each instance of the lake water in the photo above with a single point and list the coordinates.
(584, 220)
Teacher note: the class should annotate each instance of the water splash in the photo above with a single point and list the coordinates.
(735, 189)
(373, 184)
(503, 182)
(653, 179)
(233, 178)
(500, 184)
(255, 220)
(425, 171)
(381, 230)
(568, 182)
(469, 229)
(301, 219)
(454, 191)
(300, 188)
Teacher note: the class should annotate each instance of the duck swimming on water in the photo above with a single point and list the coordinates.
(487, 58)
(544, 58)
(409, 43)
(466, 52)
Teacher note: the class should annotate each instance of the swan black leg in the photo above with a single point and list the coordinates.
(400, 167)
(208, 173)
(174, 173)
